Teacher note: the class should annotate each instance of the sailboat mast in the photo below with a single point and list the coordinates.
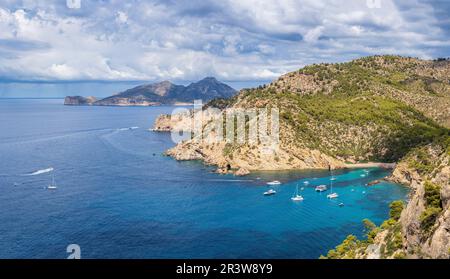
(331, 181)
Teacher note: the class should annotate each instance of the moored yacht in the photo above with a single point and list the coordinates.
(296, 196)
(275, 182)
(270, 192)
(321, 188)
(333, 196)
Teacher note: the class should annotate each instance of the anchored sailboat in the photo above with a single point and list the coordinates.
(52, 186)
(297, 197)
(332, 195)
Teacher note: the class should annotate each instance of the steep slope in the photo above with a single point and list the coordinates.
(207, 89)
(421, 229)
(375, 108)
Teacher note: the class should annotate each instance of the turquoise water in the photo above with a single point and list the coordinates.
(118, 197)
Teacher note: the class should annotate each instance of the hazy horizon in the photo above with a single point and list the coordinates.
(100, 89)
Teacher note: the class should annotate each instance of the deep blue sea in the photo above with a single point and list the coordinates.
(119, 197)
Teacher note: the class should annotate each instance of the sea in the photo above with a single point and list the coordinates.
(119, 197)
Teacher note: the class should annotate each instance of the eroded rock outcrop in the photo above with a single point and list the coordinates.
(79, 101)
(245, 156)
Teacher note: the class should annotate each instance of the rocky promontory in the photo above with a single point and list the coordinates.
(79, 101)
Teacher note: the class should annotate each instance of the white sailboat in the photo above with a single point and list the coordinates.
(297, 197)
(332, 195)
(52, 186)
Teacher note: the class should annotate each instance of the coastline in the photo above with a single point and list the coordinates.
(371, 165)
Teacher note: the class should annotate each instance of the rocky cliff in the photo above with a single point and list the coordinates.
(79, 101)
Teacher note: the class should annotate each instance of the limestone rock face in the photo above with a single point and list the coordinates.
(437, 244)
(242, 172)
(246, 156)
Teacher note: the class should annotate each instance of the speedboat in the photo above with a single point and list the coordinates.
(341, 204)
(321, 188)
(333, 196)
(270, 192)
(275, 182)
(333, 178)
(306, 182)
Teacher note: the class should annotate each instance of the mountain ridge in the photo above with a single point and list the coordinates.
(162, 93)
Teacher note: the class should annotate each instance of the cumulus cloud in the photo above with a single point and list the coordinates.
(235, 40)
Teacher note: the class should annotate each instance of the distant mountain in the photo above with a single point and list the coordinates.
(167, 93)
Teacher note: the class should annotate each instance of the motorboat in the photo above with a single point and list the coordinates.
(270, 192)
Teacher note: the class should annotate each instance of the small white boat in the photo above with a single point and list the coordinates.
(270, 192)
(53, 185)
(341, 204)
(296, 196)
(275, 182)
(333, 178)
(306, 182)
(321, 188)
(303, 188)
(363, 175)
(333, 196)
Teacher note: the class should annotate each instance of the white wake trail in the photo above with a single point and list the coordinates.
(40, 172)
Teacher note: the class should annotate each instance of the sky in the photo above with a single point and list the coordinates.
(238, 41)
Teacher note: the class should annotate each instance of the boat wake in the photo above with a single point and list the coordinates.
(126, 129)
(40, 172)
